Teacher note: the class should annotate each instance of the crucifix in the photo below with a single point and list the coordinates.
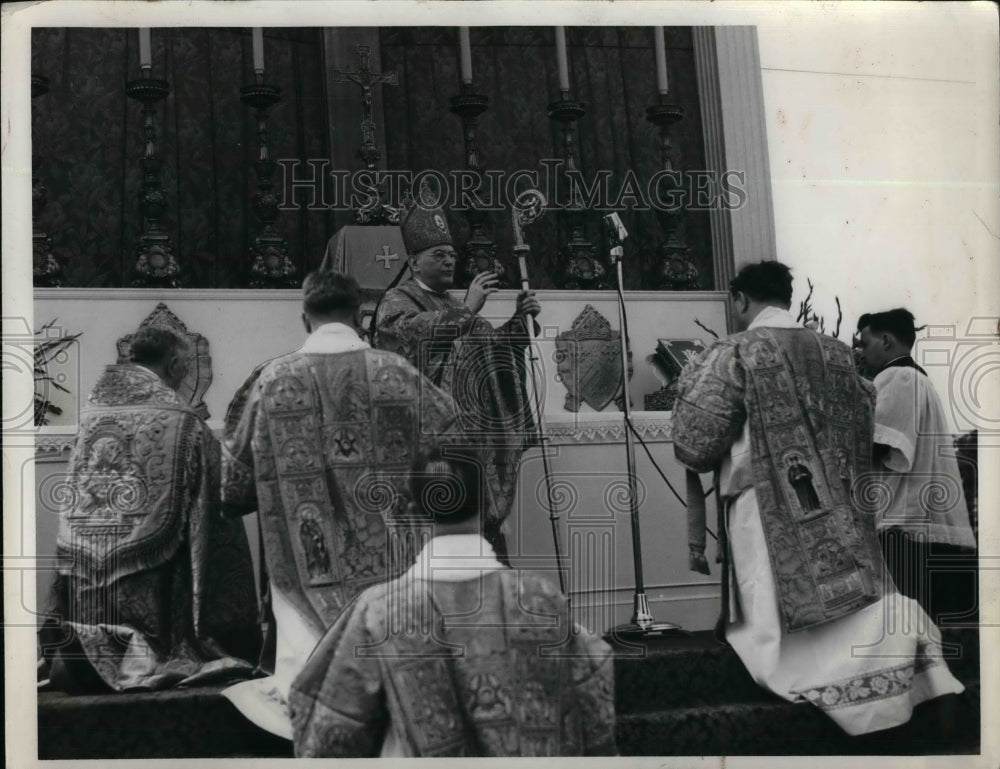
(364, 77)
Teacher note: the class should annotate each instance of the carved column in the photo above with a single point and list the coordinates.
(727, 63)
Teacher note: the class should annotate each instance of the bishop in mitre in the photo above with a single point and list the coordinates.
(447, 339)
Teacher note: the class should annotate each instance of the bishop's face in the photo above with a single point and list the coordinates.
(435, 266)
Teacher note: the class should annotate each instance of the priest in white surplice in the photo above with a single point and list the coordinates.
(923, 525)
(808, 608)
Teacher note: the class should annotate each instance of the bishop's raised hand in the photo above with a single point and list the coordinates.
(481, 287)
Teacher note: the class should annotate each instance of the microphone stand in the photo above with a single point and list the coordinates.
(643, 624)
(529, 206)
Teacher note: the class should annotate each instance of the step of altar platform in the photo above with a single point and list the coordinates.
(682, 696)
(774, 727)
(691, 695)
(695, 669)
(179, 723)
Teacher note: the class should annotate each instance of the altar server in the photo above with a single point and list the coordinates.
(924, 525)
(809, 611)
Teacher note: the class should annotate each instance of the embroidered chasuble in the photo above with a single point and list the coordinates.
(490, 665)
(322, 451)
(780, 410)
(810, 426)
(156, 584)
(481, 366)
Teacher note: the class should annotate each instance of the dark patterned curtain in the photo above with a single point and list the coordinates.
(88, 137)
(612, 70)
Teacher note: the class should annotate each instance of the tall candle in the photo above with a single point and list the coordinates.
(661, 61)
(466, 49)
(145, 49)
(561, 56)
(258, 50)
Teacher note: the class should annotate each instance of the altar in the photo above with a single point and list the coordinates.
(243, 328)
(218, 251)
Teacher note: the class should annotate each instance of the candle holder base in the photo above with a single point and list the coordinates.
(664, 114)
(676, 270)
(469, 105)
(271, 267)
(147, 90)
(156, 266)
(567, 110)
(260, 96)
(45, 270)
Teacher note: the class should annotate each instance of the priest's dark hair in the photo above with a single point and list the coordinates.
(898, 322)
(329, 293)
(153, 345)
(447, 483)
(764, 282)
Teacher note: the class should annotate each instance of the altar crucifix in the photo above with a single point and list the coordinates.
(364, 77)
(373, 210)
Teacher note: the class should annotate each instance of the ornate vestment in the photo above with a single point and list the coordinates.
(490, 665)
(322, 451)
(810, 425)
(808, 608)
(158, 585)
(481, 366)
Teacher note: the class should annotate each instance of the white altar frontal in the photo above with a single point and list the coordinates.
(586, 447)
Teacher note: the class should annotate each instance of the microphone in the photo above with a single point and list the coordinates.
(616, 235)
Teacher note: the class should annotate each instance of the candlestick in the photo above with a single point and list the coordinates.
(145, 49)
(270, 266)
(479, 254)
(581, 267)
(156, 265)
(258, 50)
(465, 44)
(674, 268)
(661, 61)
(562, 59)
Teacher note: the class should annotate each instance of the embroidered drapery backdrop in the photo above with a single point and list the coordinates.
(612, 70)
(89, 138)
